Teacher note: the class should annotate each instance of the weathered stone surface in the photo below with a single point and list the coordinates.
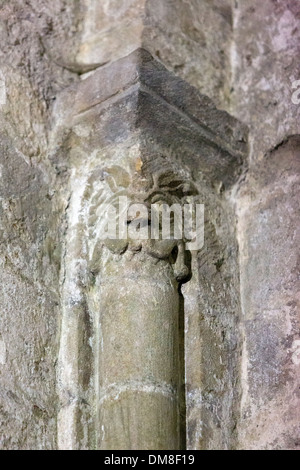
(124, 122)
(268, 232)
(212, 339)
(31, 37)
(29, 303)
(27, 363)
(216, 145)
(111, 30)
(191, 38)
(242, 380)
(266, 45)
(30, 224)
(139, 356)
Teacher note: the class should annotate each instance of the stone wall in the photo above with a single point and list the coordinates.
(242, 303)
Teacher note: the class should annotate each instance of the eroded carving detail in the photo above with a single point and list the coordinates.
(150, 184)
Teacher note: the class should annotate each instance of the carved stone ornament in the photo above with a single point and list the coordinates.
(131, 145)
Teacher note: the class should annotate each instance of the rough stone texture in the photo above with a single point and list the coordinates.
(266, 45)
(32, 34)
(191, 38)
(110, 31)
(265, 66)
(30, 224)
(117, 117)
(241, 55)
(268, 232)
(139, 359)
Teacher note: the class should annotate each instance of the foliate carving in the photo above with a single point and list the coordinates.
(141, 212)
